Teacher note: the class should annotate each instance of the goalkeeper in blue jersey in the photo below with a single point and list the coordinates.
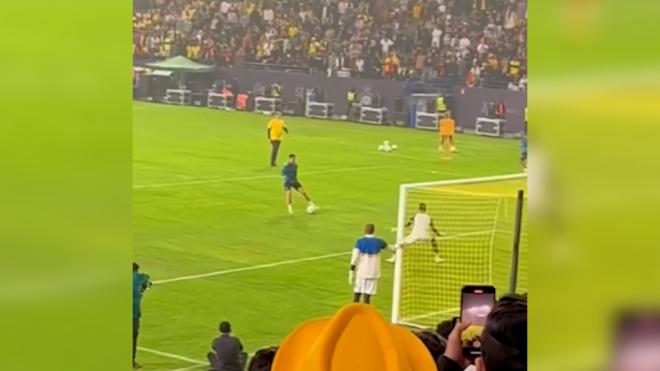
(290, 174)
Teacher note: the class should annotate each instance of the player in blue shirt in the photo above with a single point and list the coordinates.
(290, 174)
(365, 265)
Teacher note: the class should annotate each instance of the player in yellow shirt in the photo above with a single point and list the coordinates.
(276, 130)
(447, 127)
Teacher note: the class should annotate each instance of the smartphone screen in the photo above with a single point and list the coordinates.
(476, 304)
(637, 342)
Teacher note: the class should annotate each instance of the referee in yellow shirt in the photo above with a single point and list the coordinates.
(276, 130)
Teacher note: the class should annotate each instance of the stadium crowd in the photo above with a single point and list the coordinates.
(467, 40)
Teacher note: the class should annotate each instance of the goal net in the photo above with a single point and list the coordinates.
(476, 219)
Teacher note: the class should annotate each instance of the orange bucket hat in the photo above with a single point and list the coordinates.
(357, 338)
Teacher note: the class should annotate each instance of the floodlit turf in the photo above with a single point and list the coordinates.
(205, 200)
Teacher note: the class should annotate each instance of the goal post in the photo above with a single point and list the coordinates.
(478, 219)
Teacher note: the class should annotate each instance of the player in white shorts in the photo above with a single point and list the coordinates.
(422, 226)
(365, 265)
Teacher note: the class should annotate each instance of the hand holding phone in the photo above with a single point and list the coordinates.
(476, 304)
(454, 349)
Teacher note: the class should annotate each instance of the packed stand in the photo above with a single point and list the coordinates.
(468, 40)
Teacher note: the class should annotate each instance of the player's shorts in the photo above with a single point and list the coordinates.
(412, 238)
(292, 184)
(367, 286)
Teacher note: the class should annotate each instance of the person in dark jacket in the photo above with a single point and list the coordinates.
(228, 354)
(503, 341)
(140, 284)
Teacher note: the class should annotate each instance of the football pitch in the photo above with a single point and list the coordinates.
(211, 226)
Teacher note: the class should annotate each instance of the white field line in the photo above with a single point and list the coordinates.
(197, 364)
(250, 268)
(190, 367)
(173, 356)
(431, 314)
(254, 177)
(292, 261)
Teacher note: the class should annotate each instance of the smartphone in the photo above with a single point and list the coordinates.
(637, 341)
(476, 304)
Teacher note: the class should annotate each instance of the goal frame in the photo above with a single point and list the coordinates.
(401, 220)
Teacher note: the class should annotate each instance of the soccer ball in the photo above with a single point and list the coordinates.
(311, 209)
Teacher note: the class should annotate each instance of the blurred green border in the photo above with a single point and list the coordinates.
(66, 185)
(593, 97)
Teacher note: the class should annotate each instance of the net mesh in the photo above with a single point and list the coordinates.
(477, 223)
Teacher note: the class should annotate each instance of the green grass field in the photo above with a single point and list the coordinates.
(205, 200)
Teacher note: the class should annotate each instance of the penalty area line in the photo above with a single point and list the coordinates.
(250, 268)
(173, 356)
(293, 261)
(193, 367)
(426, 315)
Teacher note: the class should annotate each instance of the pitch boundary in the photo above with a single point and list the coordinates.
(426, 315)
(250, 268)
(173, 356)
(196, 363)
(292, 261)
